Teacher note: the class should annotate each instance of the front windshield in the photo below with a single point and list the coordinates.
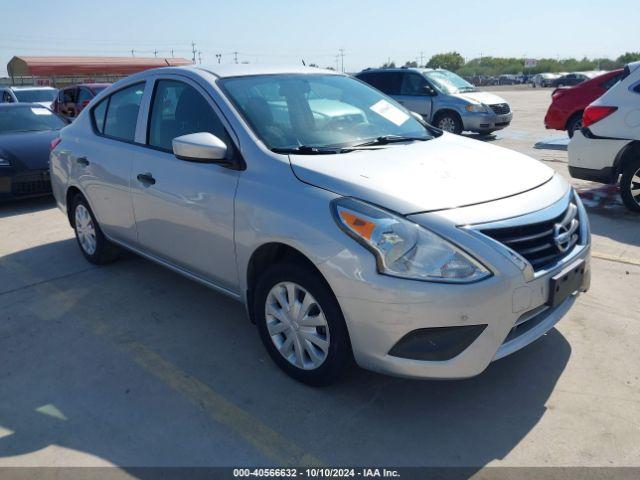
(320, 111)
(31, 96)
(28, 119)
(449, 82)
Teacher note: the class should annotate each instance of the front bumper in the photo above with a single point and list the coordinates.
(380, 310)
(479, 122)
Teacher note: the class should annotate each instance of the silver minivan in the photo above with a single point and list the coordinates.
(442, 98)
(349, 228)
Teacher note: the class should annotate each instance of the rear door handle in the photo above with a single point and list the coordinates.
(146, 179)
(82, 161)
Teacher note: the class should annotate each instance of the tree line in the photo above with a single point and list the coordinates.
(492, 66)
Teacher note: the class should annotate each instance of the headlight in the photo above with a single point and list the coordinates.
(405, 249)
(4, 162)
(475, 108)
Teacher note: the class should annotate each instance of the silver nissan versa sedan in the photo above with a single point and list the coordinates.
(348, 227)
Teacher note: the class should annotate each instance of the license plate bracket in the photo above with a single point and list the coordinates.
(565, 283)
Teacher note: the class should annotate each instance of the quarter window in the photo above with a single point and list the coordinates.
(386, 82)
(98, 114)
(179, 109)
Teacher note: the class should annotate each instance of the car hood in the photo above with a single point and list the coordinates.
(481, 97)
(27, 150)
(446, 172)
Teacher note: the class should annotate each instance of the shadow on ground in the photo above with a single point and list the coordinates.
(19, 207)
(66, 382)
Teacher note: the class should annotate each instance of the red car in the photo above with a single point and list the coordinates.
(565, 111)
(71, 100)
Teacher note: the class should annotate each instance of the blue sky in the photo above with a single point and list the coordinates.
(285, 31)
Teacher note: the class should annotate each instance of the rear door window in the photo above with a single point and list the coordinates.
(84, 96)
(121, 115)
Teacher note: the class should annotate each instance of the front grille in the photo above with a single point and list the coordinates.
(543, 243)
(500, 108)
(31, 184)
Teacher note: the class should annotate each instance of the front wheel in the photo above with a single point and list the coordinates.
(449, 122)
(301, 324)
(630, 185)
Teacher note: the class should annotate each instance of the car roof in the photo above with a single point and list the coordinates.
(22, 104)
(241, 69)
(402, 69)
(32, 87)
(88, 85)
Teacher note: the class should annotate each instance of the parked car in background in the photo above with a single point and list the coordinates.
(305, 194)
(508, 79)
(42, 95)
(71, 100)
(571, 79)
(442, 98)
(608, 146)
(568, 104)
(543, 79)
(26, 133)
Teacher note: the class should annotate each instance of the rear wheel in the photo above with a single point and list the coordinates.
(574, 124)
(94, 245)
(630, 185)
(449, 122)
(301, 324)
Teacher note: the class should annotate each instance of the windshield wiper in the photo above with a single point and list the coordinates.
(386, 139)
(307, 150)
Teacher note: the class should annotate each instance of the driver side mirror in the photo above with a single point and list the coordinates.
(429, 90)
(202, 147)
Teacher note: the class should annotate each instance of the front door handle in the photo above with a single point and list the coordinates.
(146, 179)
(83, 161)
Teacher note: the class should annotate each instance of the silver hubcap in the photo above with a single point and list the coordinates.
(297, 326)
(447, 124)
(85, 230)
(635, 186)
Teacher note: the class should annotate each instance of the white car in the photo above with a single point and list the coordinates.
(608, 146)
(32, 94)
(543, 79)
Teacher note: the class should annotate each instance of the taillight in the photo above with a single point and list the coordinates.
(595, 113)
(54, 143)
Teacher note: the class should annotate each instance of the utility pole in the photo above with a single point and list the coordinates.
(235, 57)
(155, 53)
(421, 59)
(337, 62)
(171, 53)
(193, 51)
(219, 57)
(342, 58)
(133, 53)
(200, 57)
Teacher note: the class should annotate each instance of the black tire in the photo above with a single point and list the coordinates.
(339, 351)
(105, 251)
(451, 120)
(484, 133)
(574, 124)
(631, 170)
